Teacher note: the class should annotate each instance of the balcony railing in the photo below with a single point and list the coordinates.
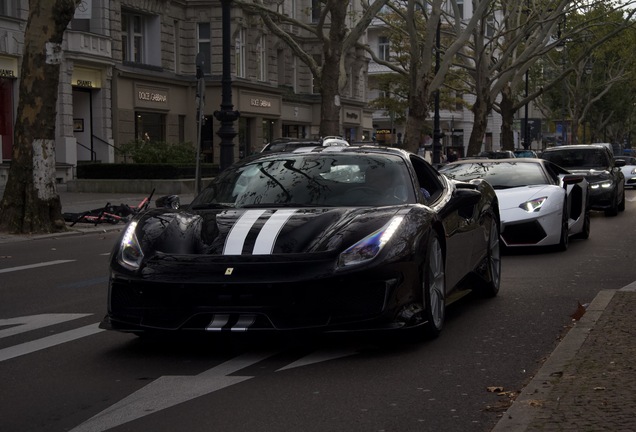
(89, 44)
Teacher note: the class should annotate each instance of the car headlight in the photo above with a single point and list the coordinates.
(606, 184)
(370, 246)
(130, 254)
(533, 205)
(633, 172)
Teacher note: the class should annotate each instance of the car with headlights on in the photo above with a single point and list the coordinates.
(629, 169)
(541, 204)
(603, 173)
(329, 240)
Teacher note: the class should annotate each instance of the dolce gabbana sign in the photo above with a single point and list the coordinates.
(151, 97)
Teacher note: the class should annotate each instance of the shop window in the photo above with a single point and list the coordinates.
(137, 39)
(150, 126)
(316, 10)
(6, 117)
(203, 40)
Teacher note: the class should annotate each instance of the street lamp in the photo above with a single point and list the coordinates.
(560, 48)
(436, 126)
(226, 115)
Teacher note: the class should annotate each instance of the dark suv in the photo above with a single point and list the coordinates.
(602, 172)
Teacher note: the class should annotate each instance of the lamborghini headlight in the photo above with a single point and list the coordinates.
(606, 184)
(370, 246)
(533, 205)
(130, 254)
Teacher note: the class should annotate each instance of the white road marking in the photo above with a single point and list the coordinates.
(169, 391)
(33, 322)
(49, 341)
(318, 357)
(30, 266)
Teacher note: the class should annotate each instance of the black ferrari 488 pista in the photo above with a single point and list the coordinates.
(325, 239)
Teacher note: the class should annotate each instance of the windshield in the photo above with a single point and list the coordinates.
(500, 175)
(311, 179)
(578, 158)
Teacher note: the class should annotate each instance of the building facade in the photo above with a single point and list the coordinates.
(129, 73)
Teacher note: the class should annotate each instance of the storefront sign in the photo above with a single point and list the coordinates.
(263, 103)
(383, 131)
(151, 97)
(8, 67)
(86, 77)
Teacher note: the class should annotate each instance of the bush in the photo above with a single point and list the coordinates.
(143, 171)
(149, 152)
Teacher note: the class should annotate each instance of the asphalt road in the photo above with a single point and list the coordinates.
(59, 372)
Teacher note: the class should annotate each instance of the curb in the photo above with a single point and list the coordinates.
(523, 410)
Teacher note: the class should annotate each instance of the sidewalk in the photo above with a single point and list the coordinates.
(589, 381)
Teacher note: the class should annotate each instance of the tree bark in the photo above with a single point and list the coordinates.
(481, 109)
(30, 203)
(508, 110)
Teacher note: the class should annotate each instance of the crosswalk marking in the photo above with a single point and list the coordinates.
(31, 266)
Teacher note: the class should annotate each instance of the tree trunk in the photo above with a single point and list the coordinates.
(331, 79)
(480, 109)
(418, 113)
(30, 203)
(507, 119)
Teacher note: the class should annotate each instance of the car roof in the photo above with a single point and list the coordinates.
(576, 146)
(361, 149)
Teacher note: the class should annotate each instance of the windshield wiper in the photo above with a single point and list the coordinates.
(290, 205)
(209, 206)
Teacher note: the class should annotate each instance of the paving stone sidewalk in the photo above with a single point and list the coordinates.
(589, 382)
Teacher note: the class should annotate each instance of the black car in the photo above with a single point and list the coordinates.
(602, 172)
(332, 239)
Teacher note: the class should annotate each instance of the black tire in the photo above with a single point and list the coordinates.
(492, 275)
(564, 240)
(433, 286)
(587, 223)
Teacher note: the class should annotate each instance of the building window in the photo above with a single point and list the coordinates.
(177, 49)
(203, 45)
(150, 126)
(261, 59)
(9, 8)
(316, 11)
(383, 48)
(239, 54)
(138, 33)
(460, 6)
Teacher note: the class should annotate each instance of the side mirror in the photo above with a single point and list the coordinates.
(572, 179)
(168, 201)
(619, 163)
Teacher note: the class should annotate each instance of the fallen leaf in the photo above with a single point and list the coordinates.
(495, 389)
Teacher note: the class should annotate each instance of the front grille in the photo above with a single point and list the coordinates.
(526, 233)
(170, 305)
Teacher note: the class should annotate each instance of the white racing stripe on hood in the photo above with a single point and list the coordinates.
(269, 233)
(236, 238)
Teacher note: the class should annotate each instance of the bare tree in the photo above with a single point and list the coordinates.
(333, 35)
(31, 203)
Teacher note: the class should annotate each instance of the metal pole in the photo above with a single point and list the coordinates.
(226, 115)
(200, 98)
(526, 132)
(436, 127)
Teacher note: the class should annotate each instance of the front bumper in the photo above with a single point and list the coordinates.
(375, 299)
(602, 199)
(521, 229)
